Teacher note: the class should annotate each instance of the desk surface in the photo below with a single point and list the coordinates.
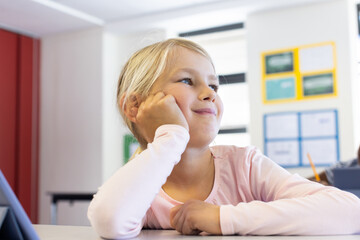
(57, 232)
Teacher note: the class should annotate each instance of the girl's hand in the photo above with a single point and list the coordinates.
(157, 110)
(195, 216)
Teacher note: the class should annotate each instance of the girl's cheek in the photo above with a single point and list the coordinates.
(220, 107)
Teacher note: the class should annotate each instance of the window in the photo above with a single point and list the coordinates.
(227, 47)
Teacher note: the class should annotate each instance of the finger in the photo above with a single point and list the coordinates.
(148, 100)
(153, 99)
(143, 103)
(179, 225)
(173, 211)
(186, 224)
(177, 221)
(169, 98)
(188, 230)
(174, 215)
(158, 96)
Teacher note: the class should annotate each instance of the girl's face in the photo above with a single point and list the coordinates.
(191, 79)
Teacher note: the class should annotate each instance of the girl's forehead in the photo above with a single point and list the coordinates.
(181, 55)
(179, 51)
(189, 61)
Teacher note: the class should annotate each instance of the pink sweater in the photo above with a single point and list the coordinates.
(256, 196)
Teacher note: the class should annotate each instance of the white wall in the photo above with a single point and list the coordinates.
(112, 126)
(81, 128)
(296, 26)
(355, 53)
(71, 110)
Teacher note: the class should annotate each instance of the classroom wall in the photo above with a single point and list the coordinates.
(71, 120)
(296, 26)
(112, 125)
(355, 53)
(81, 128)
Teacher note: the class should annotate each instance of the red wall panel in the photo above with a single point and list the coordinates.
(8, 104)
(27, 126)
(19, 116)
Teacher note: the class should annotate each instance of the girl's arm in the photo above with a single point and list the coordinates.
(289, 205)
(118, 208)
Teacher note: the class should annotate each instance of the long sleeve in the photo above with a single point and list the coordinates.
(289, 205)
(118, 208)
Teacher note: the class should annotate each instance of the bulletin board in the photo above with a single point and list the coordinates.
(299, 73)
(290, 136)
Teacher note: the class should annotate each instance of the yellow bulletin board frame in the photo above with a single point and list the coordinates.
(307, 79)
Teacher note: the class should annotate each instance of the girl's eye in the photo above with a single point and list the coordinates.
(186, 81)
(214, 87)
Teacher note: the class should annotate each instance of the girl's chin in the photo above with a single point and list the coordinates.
(211, 128)
(203, 138)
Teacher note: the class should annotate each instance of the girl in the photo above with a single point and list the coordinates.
(167, 95)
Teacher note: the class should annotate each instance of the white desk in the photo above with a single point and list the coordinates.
(57, 232)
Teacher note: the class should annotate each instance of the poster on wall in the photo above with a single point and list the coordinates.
(280, 88)
(279, 62)
(290, 136)
(299, 73)
(318, 84)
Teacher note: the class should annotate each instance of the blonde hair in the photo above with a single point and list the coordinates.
(142, 70)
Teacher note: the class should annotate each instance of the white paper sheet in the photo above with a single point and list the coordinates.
(318, 124)
(285, 153)
(322, 151)
(316, 58)
(282, 126)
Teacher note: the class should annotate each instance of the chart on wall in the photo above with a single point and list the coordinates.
(303, 72)
(290, 136)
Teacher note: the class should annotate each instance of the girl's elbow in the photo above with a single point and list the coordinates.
(356, 217)
(110, 225)
(352, 215)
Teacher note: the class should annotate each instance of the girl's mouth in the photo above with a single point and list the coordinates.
(205, 111)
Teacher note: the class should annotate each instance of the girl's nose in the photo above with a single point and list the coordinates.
(207, 94)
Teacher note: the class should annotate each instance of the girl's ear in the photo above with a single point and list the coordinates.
(130, 105)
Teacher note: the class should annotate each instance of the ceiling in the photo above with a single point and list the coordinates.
(41, 18)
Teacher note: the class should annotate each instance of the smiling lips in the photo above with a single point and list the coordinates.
(205, 111)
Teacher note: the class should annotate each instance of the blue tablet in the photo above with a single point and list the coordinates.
(348, 179)
(14, 222)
